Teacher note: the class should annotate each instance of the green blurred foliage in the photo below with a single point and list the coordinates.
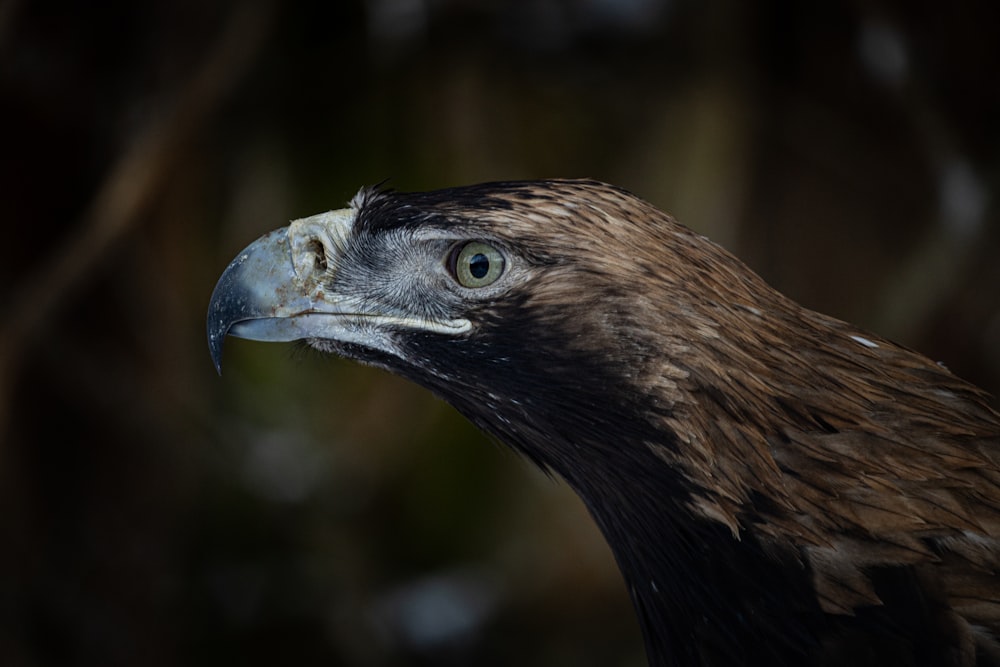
(308, 510)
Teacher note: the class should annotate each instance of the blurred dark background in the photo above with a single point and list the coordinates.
(305, 510)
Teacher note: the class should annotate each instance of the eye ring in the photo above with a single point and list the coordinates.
(476, 264)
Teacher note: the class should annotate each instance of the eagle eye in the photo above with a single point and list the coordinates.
(476, 264)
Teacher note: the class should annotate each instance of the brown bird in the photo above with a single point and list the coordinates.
(778, 487)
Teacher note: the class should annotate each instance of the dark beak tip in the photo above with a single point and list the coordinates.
(215, 340)
(218, 322)
(225, 307)
(217, 361)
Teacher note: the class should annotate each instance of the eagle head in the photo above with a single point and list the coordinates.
(776, 485)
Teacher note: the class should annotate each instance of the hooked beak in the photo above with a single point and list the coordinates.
(273, 290)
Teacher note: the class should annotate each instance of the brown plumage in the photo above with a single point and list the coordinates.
(778, 486)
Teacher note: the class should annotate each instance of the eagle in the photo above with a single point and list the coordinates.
(778, 487)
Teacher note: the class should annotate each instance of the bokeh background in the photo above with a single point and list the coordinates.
(304, 510)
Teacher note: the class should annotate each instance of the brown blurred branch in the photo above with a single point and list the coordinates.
(130, 185)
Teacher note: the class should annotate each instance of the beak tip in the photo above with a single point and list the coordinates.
(250, 291)
(215, 340)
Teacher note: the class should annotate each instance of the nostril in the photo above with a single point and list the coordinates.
(309, 253)
(318, 251)
(316, 242)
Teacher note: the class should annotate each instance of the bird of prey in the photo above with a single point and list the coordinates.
(778, 487)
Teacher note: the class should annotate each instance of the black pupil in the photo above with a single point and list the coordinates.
(479, 265)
